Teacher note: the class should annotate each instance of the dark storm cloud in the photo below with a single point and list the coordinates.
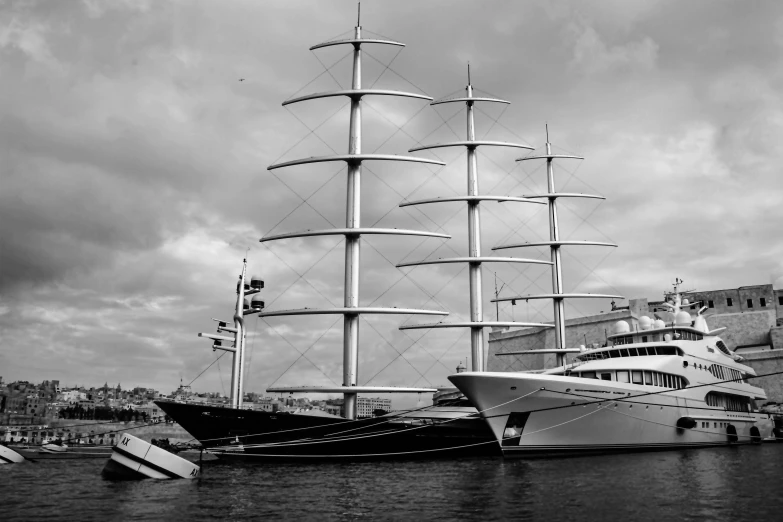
(133, 170)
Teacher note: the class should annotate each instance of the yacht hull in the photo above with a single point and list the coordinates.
(541, 415)
(433, 432)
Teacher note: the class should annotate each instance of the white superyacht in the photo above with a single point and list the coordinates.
(664, 385)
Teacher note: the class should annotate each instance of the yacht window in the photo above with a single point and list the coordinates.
(710, 304)
(636, 376)
(780, 300)
(667, 380)
(722, 347)
(588, 375)
(647, 377)
(633, 352)
(613, 353)
(762, 302)
(644, 338)
(729, 301)
(623, 352)
(750, 303)
(622, 376)
(655, 379)
(606, 376)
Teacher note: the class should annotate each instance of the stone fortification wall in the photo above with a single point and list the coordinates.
(776, 337)
(744, 329)
(738, 300)
(764, 362)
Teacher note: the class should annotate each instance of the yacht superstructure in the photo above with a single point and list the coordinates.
(661, 385)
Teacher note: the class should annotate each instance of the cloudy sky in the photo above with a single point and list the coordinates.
(133, 172)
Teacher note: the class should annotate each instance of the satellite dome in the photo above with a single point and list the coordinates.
(667, 337)
(621, 327)
(256, 283)
(682, 319)
(257, 303)
(645, 323)
(658, 323)
(685, 301)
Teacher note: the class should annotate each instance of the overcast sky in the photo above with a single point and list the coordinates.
(133, 172)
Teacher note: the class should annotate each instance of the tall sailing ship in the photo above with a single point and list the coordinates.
(452, 426)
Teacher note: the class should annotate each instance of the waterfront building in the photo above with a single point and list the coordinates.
(367, 406)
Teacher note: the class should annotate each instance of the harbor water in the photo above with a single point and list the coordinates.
(732, 483)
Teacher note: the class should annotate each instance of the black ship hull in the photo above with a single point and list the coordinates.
(435, 432)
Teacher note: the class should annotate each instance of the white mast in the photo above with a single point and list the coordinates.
(474, 243)
(554, 244)
(353, 230)
(474, 258)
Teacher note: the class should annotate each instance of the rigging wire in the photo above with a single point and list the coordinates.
(207, 368)
(220, 373)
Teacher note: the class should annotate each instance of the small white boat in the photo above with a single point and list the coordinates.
(54, 446)
(9, 456)
(133, 458)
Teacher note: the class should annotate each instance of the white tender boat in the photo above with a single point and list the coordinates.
(133, 458)
(663, 385)
(53, 446)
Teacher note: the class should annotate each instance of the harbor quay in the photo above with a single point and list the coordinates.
(752, 316)
(89, 432)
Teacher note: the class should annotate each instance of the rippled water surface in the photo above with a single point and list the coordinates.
(742, 483)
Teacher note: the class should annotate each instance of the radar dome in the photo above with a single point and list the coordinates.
(682, 319)
(621, 327)
(645, 323)
(658, 323)
(685, 302)
(667, 337)
(256, 283)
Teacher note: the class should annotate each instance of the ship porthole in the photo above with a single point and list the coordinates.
(513, 387)
(684, 364)
(568, 390)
